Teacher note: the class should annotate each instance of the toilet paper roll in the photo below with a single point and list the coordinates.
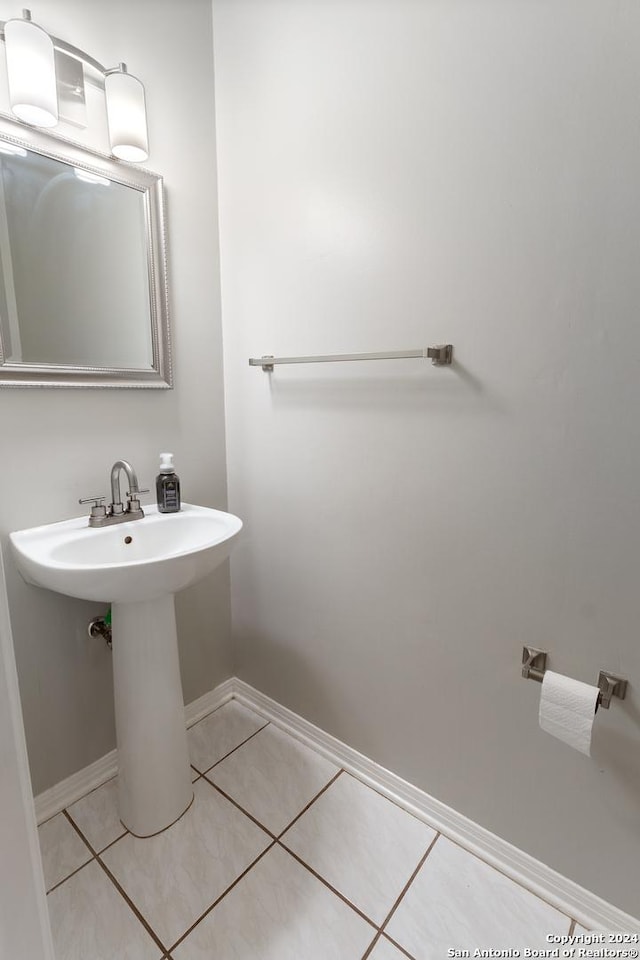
(567, 710)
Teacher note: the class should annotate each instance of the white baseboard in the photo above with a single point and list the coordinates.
(52, 801)
(209, 702)
(562, 893)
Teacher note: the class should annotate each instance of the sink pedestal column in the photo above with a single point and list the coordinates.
(154, 776)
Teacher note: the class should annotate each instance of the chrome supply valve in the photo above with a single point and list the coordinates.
(99, 627)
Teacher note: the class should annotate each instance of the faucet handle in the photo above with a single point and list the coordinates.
(98, 509)
(133, 504)
(136, 495)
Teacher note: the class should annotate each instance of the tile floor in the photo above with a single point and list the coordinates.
(282, 856)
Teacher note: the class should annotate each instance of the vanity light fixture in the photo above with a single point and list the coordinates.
(34, 83)
(126, 115)
(31, 72)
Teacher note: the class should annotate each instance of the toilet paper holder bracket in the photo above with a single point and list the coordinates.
(534, 664)
(610, 686)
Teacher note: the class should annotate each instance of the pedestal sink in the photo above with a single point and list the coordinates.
(138, 567)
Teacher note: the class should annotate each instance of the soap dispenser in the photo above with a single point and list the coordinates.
(167, 486)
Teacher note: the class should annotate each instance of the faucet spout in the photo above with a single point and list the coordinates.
(134, 490)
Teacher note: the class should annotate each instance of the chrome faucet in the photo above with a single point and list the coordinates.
(133, 503)
(116, 511)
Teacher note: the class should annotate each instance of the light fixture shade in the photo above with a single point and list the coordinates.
(127, 117)
(31, 73)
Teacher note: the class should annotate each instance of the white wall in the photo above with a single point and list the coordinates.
(58, 445)
(393, 175)
(24, 923)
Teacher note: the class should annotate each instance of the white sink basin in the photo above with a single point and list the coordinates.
(137, 566)
(132, 561)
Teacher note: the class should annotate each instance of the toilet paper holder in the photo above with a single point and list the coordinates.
(534, 664)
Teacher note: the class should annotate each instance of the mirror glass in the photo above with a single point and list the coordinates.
(82, 267)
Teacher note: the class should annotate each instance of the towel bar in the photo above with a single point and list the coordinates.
(440, 356)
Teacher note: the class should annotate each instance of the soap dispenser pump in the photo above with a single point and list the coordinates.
(168, 485)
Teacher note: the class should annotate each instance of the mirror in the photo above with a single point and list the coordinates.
(83, 286)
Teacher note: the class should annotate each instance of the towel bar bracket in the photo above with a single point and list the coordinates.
(440, 356)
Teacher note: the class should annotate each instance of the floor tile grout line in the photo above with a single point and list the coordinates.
(380, 930)
(77, 829)
(125, 896)
(409, 882)
(399, 947)
(96, 855)
(458, 843)
(239, 807)
(380, 792)
(400, 806)
(278, 839)
(119, 888)
(246, 740)
(96, 852)
(87, 794)
(326, 883)
(378, 927)
(257, 822)
(371, 946)
(385, 936)
(200, 774)
(311, 802)
(112, 843)
(222, 895)
(69, 875)
(166, 955)
(52, 817)
(404, 809)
